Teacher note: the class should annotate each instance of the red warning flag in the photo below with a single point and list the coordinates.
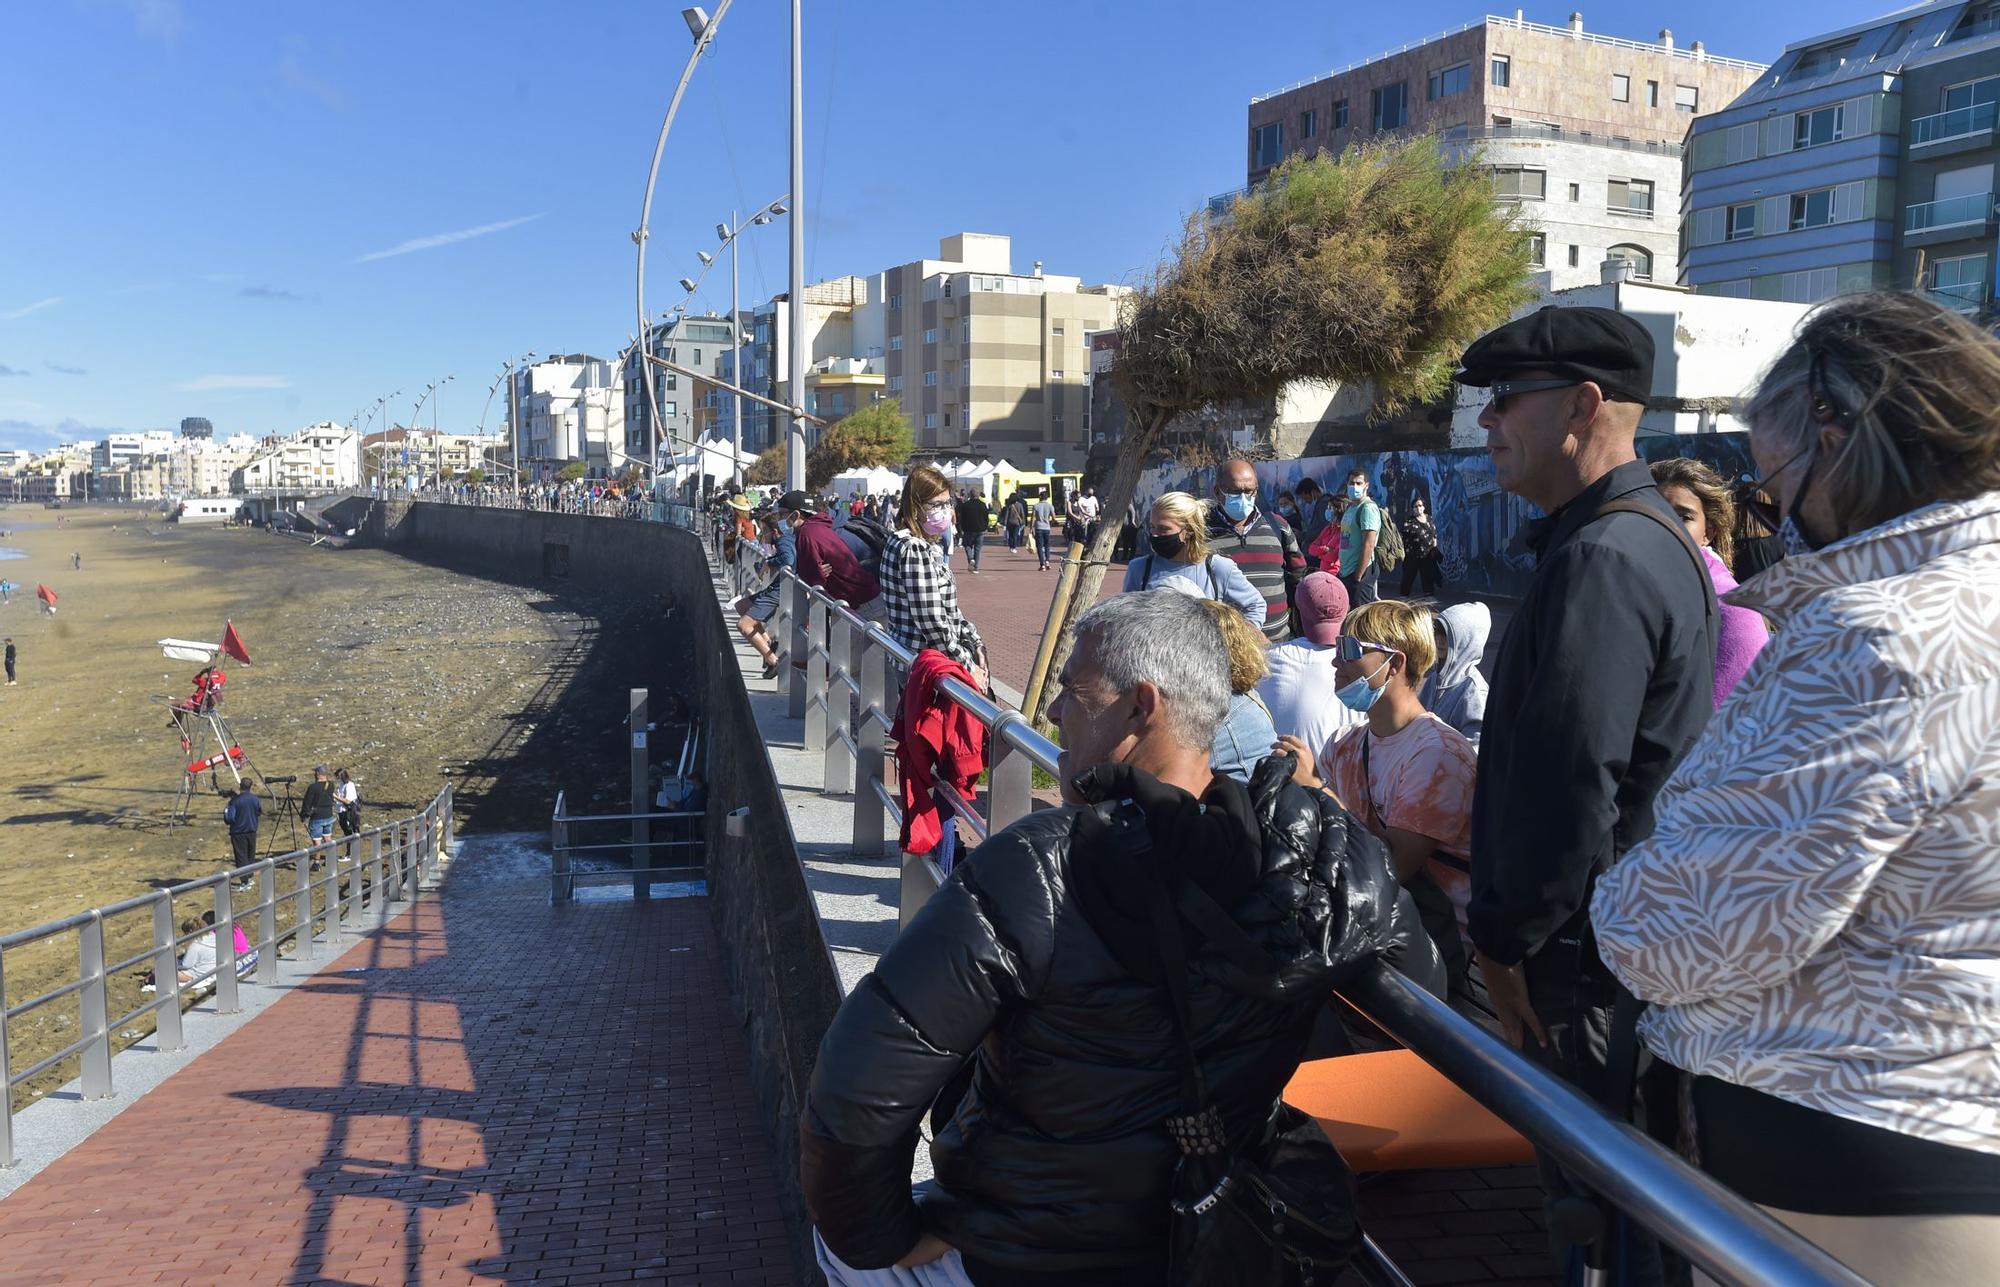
(45, 594)
(232, 643)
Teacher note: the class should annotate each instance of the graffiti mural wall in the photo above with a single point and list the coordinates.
(1476, 522)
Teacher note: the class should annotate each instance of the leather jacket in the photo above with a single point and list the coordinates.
(1055, 1159)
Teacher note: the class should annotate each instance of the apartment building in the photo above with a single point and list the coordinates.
(319, 457)
(1583, 130)
(688, 406)
(566, 408)
(1865, 158)
(843, 321)
(989, 361)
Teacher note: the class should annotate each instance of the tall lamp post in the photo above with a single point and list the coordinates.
(795, 443)
(728, 233)
(513, 424)
(417, 411)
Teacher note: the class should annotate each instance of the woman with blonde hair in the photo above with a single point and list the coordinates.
(1246, 734)
(1816, 916)
(918, 589)
(1177, 558)
(1704, 503)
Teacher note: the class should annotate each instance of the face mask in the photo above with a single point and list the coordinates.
(1168, 547)
(937, 520)
(1356, 491)
(1358, 696)
(1237, 506)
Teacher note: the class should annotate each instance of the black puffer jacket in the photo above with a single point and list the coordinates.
(1056, 1158)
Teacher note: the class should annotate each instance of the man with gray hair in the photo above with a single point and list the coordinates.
(1027, 1006)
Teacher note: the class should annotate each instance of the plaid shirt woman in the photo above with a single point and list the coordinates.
(918, 589)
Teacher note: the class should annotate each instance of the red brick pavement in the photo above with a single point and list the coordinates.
(490, 1090)
(1009, 602)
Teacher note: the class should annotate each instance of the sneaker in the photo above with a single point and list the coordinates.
(770, 669)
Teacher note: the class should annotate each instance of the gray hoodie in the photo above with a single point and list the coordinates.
(1456, 691)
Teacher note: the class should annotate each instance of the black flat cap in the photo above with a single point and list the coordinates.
(1601, 345)
(798, 501)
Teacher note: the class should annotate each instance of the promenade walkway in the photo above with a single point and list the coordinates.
(489, 1090)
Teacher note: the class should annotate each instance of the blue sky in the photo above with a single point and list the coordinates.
(270, 214)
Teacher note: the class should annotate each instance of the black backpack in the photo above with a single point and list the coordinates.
(867, 537)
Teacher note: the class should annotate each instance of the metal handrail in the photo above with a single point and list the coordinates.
(1726, 1236)
(564, 878)
(396, 858)
(1972, 208)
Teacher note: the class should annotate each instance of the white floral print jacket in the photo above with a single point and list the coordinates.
(1817, 915)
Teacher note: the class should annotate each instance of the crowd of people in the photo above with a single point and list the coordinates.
(1709, 835)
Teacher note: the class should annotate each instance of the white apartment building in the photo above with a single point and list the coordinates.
(571, 408)
(319, 457)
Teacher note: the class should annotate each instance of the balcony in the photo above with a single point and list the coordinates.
(1962, 129)
(1965, 297)
(1953, 219)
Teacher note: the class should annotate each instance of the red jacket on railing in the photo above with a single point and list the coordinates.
(937, 740)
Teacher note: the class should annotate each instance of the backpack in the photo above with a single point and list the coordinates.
(867, 537)
(1388, 542)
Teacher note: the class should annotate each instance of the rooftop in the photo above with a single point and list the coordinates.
(1694, 53)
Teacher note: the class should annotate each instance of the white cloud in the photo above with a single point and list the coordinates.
(446, 238)
(35, 307)
(211, 383)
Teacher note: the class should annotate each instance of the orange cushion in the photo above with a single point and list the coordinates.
(1391, 1111)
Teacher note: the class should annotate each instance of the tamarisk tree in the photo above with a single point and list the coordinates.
(1378, 267)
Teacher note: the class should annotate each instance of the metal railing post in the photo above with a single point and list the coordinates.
(815, 659)
(350, 901)
(6, 1077)
(226, 999)
(558, 856)
(837, 773)
(166, 977)
(378, 892)
(302, 942)
(1010, 787)
(93, 1011)
(267, 921)
(792, 592)
(870, 818)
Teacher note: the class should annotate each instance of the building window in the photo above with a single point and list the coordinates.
(1743, 221)
(1576, 192)
(1512, 183)
(1502, 70)
(1390, 106)
(1827, 125)
(930, 419)
(895, 344)
(669, 409)
(1538, 250)
(1687, 98)
(1056, 374)
(1267, 145)
(1340, 114)
(1056, 331)
(1451, 80)
(1574, 257)
(1652, 93)
(895, 384)
(1824, 58)
(1630, 196)
(1741, 142)
(1812, 209)
(1308, 125)
(930, 379)
(895, 301)
(965, 330)
(930, 335)
(1621, 88)
(1810, 286)
(947, 419)
(1639, 257)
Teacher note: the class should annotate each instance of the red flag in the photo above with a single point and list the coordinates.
(232, 643)
(45, 594)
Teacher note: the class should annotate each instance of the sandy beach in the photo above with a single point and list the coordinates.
(404, 673)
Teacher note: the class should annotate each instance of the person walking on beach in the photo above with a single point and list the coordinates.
(317, 806)
(76, 560)
(243, 815)
(10, 662)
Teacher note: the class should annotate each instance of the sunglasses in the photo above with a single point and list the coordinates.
(1351, 649)
(1501, 390)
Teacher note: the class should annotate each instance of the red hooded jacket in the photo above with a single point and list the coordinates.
(937, 740)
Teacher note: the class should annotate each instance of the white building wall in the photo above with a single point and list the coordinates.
(1707, 348)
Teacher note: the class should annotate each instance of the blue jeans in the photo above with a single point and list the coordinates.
(1042, 539)
(972, 542)
(319, 828)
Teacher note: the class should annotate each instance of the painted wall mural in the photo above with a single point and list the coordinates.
(1477, 523)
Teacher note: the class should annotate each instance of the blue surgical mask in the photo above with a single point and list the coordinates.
(1237, 506)
(1357, 491)
(1358, 696)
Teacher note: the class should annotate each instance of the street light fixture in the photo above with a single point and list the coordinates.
(697, 21)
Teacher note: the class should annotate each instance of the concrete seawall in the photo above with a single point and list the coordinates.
(781, 975)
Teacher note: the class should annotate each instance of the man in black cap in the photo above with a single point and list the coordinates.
(1603, 681)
